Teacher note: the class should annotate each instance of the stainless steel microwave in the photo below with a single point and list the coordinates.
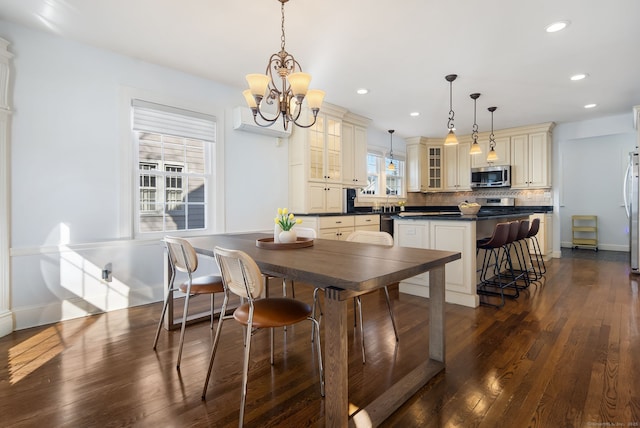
(491, 177)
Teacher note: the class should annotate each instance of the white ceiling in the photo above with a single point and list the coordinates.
(399, 50)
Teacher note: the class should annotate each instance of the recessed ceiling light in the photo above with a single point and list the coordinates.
(362, 91)
(590, 105)
(556, 26)
(579, 76)
(414, 114)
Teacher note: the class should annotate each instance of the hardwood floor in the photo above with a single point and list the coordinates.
(566, 353)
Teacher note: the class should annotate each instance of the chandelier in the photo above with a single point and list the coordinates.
(475, 147)
(288, 97)
(492, 156)
(451, 135)
(391, 166)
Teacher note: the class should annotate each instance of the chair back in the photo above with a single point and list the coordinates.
(240, 273)
(182, 255)
(305, 232)
(535, 226)
(500, 236)
(371, 237)
(514, 227)
(523, 231)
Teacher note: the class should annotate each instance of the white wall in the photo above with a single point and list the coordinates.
(589, 165)
(66, 174)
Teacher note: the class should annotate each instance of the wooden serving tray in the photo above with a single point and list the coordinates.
(268, 244)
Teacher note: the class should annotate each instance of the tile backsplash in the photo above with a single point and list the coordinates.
(522, 197)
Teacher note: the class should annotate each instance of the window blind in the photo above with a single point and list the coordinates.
(158, 118)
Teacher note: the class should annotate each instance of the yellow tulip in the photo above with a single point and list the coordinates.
(276, 220)
(279, 211)
(290, 216)
(298, 220)
(285, 211)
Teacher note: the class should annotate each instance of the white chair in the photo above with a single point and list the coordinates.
(241, 276)
(366, 237)
(183, 257)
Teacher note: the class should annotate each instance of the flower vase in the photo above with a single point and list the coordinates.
(287, 236)
(276, 233)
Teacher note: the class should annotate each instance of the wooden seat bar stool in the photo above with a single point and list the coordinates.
(182, 257)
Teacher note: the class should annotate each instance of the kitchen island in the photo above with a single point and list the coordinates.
(449, 231)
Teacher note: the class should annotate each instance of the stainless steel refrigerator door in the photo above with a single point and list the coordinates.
(634, 212)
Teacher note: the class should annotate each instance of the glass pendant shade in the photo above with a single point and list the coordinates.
(299, 83)
(258, 84)
(451, 138)
(475, 149)
(492, 156)
(391, 166)
(248, 96)
(314, 98)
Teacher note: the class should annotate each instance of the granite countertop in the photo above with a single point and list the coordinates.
(445, 213)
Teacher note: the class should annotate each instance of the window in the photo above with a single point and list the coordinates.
(174, 167)
(381, 181)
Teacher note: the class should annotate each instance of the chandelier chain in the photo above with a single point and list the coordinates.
(282, 38)
(451, 112)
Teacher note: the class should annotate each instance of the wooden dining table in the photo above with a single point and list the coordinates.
(345, 270)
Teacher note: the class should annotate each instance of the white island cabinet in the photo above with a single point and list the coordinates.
(446, 235)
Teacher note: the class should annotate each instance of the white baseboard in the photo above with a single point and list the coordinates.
(605, 247)
(50, 313)
(6, 323)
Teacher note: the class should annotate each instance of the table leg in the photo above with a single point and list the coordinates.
(336, 404)
(436, 314)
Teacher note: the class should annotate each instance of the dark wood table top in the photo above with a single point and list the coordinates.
(351, 266)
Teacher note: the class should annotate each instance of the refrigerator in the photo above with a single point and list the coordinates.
(631, 202)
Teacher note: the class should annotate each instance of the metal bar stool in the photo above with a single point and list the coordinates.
(496, 249)
(539, 268)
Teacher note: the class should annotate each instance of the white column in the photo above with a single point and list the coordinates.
(6, 316)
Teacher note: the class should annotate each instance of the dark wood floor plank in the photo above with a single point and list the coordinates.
(566, 353)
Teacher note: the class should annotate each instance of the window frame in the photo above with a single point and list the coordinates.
(129, 167)
(382, 178)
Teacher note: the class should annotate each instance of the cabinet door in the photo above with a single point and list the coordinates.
(519, 161)
(333, 199)
(464, 166)
(538, 160)
(433, 163)
(316, 150)
(348, 154)
(333, 135)
(413, 167)
(317, 195)
(451, 167)
(360, 156)
(503, 150)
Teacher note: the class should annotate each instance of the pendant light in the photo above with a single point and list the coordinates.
(451, 138)
(492, 156)
(475, 147)
(391, 166)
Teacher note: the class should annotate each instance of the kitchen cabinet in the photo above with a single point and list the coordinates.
(530, 161)
(354, 151)
(424, 166)
(458, 236)
(545, 234)
(339, 227)
(315, 164)
(502, 149)
(457, 167)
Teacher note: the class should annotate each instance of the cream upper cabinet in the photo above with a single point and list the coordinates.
(315, 163)
(502, 149)
(424, 166)
(530, 161)
(457, 167)
(354, 151)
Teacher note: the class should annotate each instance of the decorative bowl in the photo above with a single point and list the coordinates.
(469, 209)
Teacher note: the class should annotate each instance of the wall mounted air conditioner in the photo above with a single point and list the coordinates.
(243, 121)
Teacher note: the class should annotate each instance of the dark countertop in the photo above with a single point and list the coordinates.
(450, 212)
